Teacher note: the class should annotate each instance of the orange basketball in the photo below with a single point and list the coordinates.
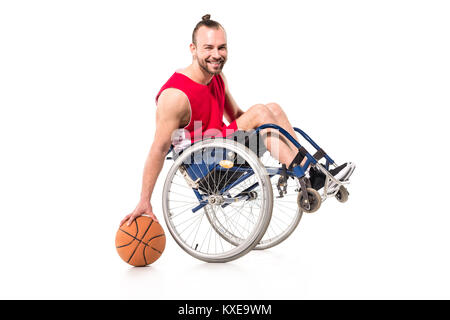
(142, 242)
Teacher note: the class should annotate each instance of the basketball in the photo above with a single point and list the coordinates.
(142, 242)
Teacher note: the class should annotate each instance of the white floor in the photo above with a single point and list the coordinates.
(357, 250)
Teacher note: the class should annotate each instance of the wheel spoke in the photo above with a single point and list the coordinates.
(227, 232)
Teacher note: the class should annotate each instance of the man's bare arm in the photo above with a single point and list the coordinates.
(171, 114)
(231, 109)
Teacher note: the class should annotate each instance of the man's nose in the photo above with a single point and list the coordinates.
(215, 54)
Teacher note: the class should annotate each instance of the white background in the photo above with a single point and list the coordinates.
(368, 80)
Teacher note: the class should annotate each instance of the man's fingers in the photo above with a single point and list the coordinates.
(131, 219)
(125, 219)
(128, 219)
(154, 217)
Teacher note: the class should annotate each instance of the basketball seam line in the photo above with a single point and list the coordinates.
(140, 241)
(156, 250)
(145, 243)
(143, 254)
(134, 238)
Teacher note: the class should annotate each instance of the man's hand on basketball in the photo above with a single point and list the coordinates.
(143, 207)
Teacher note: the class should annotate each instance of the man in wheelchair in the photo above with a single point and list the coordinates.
(193, 102)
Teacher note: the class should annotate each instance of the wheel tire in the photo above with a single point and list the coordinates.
(315, 200)
(342, 194)
(286, 214)
(255, 234)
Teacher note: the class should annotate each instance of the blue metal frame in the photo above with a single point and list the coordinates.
(311, 141)
(228, 187)
(297, 171)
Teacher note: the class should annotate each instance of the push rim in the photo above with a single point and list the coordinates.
(193, 231)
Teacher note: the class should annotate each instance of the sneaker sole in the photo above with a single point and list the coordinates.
(342, 176)
(350, 172)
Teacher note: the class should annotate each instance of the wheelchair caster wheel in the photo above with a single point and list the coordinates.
(314, 198)
(342, 194)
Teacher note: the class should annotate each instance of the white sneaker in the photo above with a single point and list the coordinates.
(341, 173)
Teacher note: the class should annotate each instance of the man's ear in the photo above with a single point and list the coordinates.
(193, 49)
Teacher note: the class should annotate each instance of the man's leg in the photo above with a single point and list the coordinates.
(283, 122)
(279, 147)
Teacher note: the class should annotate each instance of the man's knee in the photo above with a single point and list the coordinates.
(275, 109)
(262, 113)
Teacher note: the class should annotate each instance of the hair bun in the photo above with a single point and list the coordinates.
(206, 17)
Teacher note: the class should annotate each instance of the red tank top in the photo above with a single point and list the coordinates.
(207, 104)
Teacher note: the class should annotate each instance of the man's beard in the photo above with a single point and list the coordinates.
(204, 65)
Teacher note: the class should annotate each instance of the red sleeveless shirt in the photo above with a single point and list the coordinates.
(207, 105)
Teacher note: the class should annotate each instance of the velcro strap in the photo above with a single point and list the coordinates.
(319, 154)
(302, 152)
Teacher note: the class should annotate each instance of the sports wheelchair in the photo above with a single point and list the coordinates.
(221, 199)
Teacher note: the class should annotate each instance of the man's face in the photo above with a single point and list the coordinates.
(211, 49)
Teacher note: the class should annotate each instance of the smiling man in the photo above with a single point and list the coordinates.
(194, 101)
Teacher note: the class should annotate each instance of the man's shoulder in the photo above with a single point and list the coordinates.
(173, 99)
(173, 94)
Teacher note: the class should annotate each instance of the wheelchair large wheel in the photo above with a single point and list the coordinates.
(286, 214)
(221, 213)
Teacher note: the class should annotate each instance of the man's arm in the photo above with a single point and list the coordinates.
(171, 114)
(231, 110)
